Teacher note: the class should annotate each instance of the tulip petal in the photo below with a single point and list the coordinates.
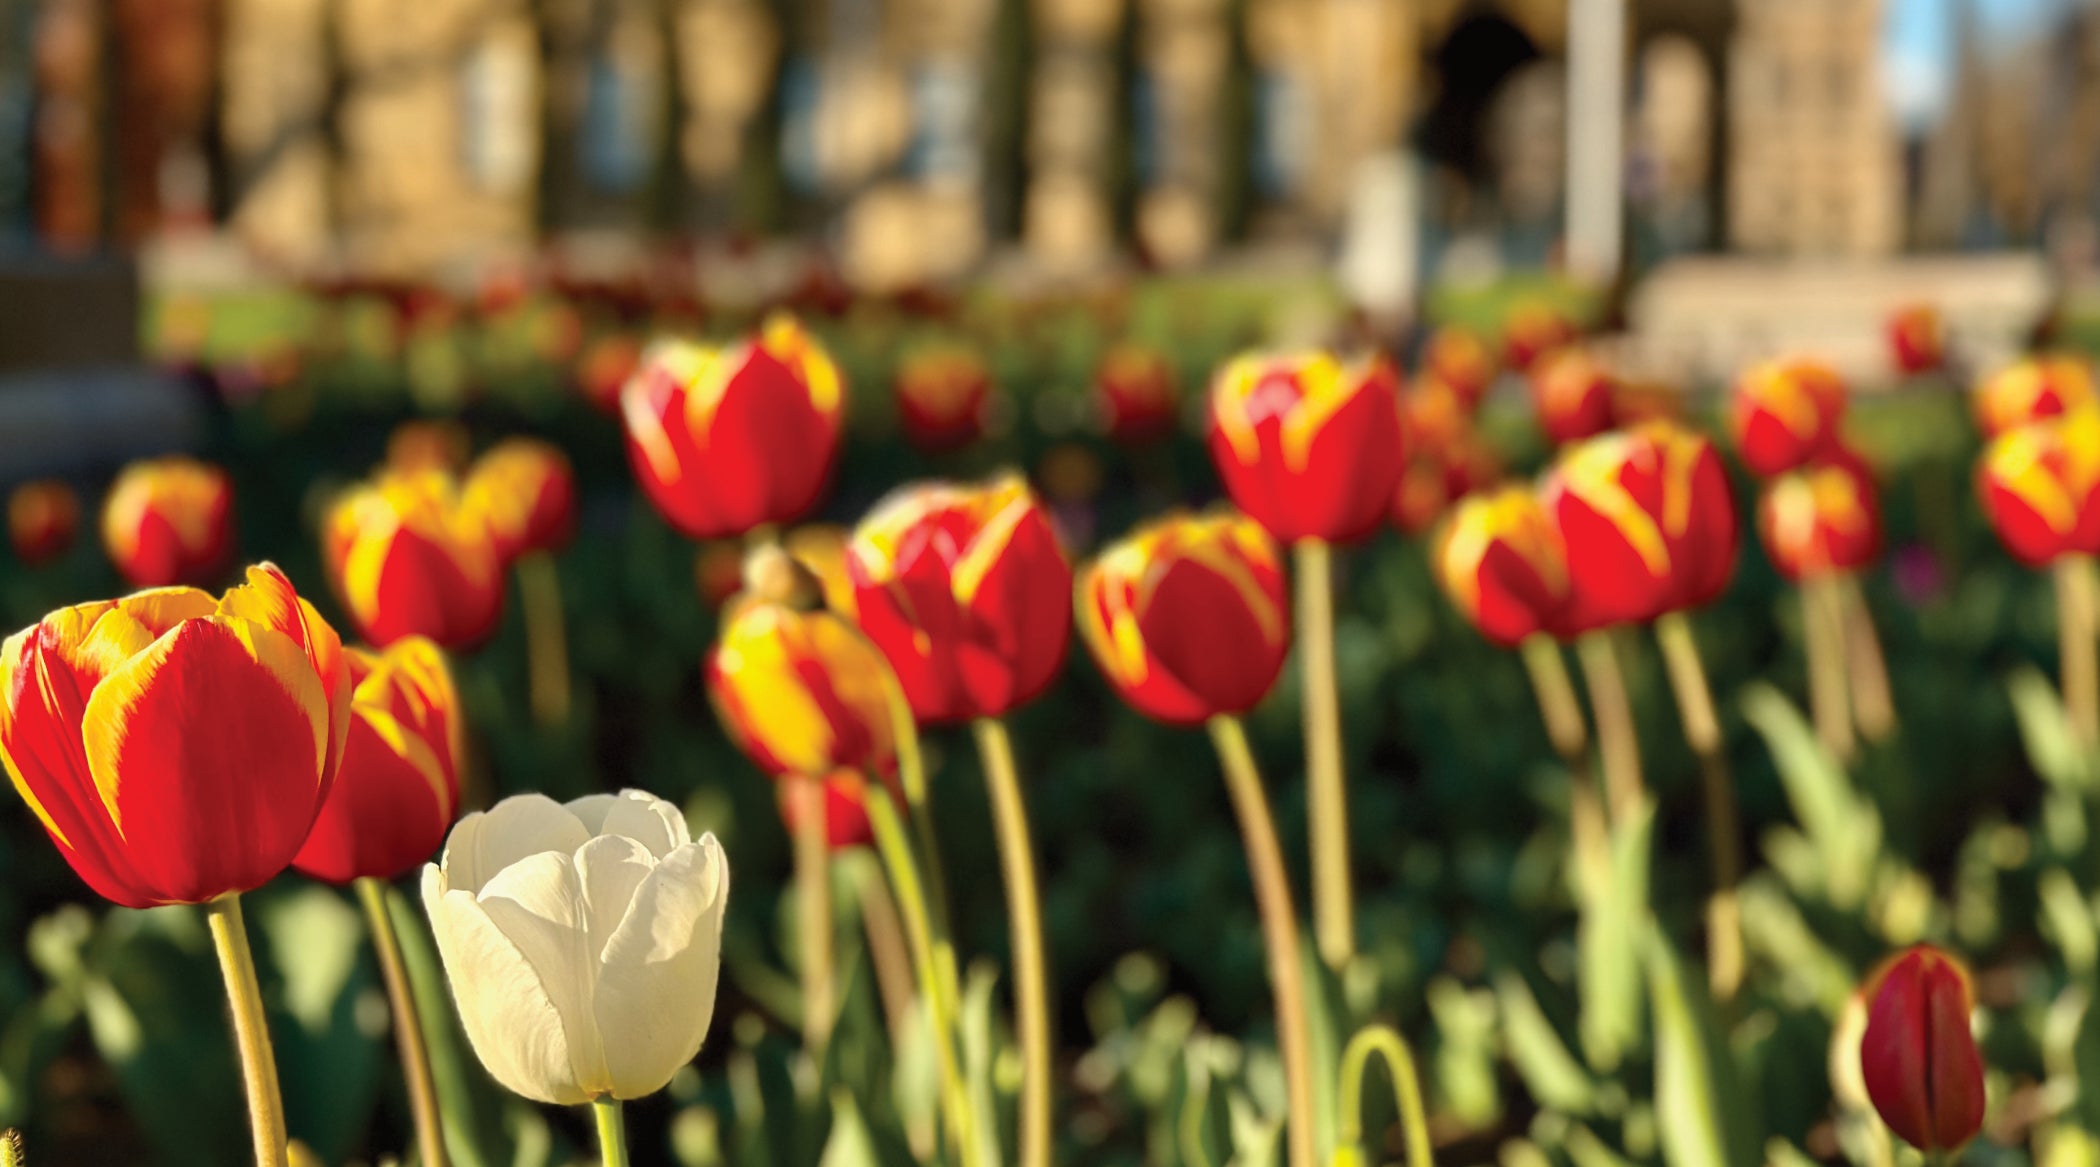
(539, 905)
(486, 842)
(654, 823)
(513, 1026)
(658, 975)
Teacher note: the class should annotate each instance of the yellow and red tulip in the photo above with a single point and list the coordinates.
(1918, 1057)
(1457, 357)
(409, 558)
(176, 747)
(526, 493)
(1309, 447)
(1188, 617)
(1821, 519)
(1917, 340)
(428, 444)
(801, 692)
(42, 518)
(1436, 478)
(1137, 395)
(846, 794)
(2034, 388)
(397, 789)
(1575, 393)
(1785, 412)
(1532, 330)
(1500, 560)
(2040, 487)
(168, 521)
(967, 592)
(942, 392)
(724, 442)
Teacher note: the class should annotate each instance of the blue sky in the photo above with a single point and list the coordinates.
(1919, 39)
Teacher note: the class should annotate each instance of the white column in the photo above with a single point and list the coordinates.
(1596, 136)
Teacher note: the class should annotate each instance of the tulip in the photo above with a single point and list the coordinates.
(1309, 447)
(1136, 394)
(724, 442)
(1187, 617)
(408, 558)
(524, 490)
(1821, 519)
(2040, 486)
(582, 941)
(607, 365)
(1575, 394)
(1502, 563)
(217, 724)
(1532, 330)
(398, 787)
(846, 794)
(943, 392)
(1918, 1057)
(1458, 358)
(42, 517)
(168, 521)
(1433, 481)
(439, 445)
(1917, 341)
(801, 692)
(1784, 413)
(966, 591)
(2032, 389)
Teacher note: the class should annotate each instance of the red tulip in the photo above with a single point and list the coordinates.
(2031, 389)
(408, 558)
(397, 790)
(526, 493)
(801, 692)
(1532, 330)
(1307, 446)
(2040, 486)
(1918, 1056)
(176, 747)
(724, 442)
(1822, 519)
(846, 794)
(1917, 342)
(42, 518)
(1575, 393)
(1188, 617)
(1784, 413)
(1500, 560)
(943, 392)
(1137, 394)
(168, 521)
(1457, 357)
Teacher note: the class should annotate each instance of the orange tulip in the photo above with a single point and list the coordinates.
(1502, 563)
(2033, 388)
(397, 790)
(1923, 1071)
(168, 521)
(1821, 519)
(1457, 357)
(176, 747)
(1575, 392)
(409, 558)
(2040, 486)
(1532, 330)
(1785, 412)
(801, 692)
(1188, 616)
(1309, 447)
(1137, 395)
(526, 493)
(723, 442)
(943, 392)
(42, 518)
(846, 794)
(967, 592)
(1917, 341)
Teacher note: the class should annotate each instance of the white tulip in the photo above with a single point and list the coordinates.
(583, 941)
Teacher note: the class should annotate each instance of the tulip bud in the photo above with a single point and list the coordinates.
(2040, 486)
(1822, 519)
(801, 692)
(168, 521)
(2030, 389)
(1918, 1056)
(42, 517)
(1532, 330)
(724, 442)
(846, 794)
(1188, 616)
(408, 558)
(1502, 563)
(398, 787)
(1917, 342)
(526, 493)
(583, 941)
(1309, 447)
(1136, 395)
(1575, 394)
(1459, 359)
(1785, 412)
(943, 392)
(176, 747)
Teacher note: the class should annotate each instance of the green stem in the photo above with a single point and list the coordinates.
(251, 1033)
(1334, 917)
(813, 912)
(1702, 731)
(1407, 1091)
(612, 1132)
(408, 1026)
(2075, 628)
(1025, 923)
(1618, 743)
(1279, 925)
(1562, 713)
(1823, 641)
(911, 769)
(1873, 705)
(546, 640)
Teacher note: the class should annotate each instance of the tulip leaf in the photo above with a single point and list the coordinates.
(1552, 1074)
(1256, 1138)
(1697, 1103)
(979, 1035)
(330, 1008)
(2067, 918)
(850, 1145)
(2045, 730)
(1844, 828)
(1614, 915)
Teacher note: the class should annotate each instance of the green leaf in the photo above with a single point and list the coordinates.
(1552, 1074)
(1845, 828)
(2045, 731)
(850, 1145)
(1608, 942)
(2067, 918)
(1698, 1110)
